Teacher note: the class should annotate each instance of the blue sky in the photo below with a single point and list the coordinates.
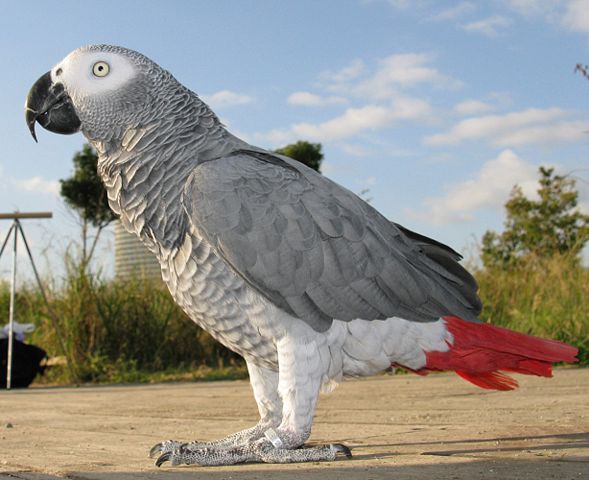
(437, 107)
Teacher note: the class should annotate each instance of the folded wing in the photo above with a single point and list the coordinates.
(317, 250)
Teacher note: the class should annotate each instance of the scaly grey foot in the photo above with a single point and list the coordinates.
(234, 440)
(261, 451)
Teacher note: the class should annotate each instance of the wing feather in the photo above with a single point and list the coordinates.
(318, 251)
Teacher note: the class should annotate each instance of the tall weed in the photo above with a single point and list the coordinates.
(547, 297)
(121, 331)
(115, 330)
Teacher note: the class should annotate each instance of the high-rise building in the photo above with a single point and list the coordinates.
(132, 258)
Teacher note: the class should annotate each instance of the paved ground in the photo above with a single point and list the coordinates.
(403, 427)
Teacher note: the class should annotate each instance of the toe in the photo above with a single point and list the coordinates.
(157, 448)
(341, 448)
(164, 447)
(164, 457)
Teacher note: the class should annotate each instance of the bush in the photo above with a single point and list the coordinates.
(115, 330)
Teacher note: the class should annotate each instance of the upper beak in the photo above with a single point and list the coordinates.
(49, 104)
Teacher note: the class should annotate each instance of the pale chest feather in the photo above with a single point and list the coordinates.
(147, 197)
(218, 300)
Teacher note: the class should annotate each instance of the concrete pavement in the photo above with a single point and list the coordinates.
(402, 427)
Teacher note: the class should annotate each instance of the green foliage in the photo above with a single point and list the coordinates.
(118, 331)
(84, 191)
(305, 152)
(85, 194)
(132, 331)
(542, 296)
(542, 228)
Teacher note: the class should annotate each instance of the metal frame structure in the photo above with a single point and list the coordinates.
(14, 230)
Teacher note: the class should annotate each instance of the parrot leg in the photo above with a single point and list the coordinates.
(265, 386)
(297, 385)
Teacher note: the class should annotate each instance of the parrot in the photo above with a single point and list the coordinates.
(305, 280)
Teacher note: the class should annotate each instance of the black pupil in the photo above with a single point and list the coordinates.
(100, 68)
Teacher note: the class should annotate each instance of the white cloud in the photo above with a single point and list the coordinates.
(370, 117)
(276, 137)
(403, 70)
(38, 185)
(571, 14)
(489, 188)
(226, 98)
(391, 75)
(380, 93)
(567, 131)
(489, 26)
(459, 10)
(471, 107)
(540, 126)
(576, 15)
(308, 99)
(353, 121)
(350, 72)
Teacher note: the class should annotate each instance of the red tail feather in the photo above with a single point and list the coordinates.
(479, 351)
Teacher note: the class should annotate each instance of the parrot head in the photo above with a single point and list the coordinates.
(99, 90)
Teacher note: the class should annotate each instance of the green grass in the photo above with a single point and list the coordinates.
(129, 374)
(118, 331)
(543, 297)
(121, 332)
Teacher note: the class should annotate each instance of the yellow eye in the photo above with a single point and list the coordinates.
(100, 69)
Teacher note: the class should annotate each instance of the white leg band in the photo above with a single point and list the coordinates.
(271, 435)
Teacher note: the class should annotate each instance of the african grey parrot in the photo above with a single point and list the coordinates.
(305, 280)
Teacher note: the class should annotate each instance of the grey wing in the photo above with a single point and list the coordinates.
(317, 250)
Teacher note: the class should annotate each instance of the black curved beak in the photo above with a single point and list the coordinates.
(48, 104)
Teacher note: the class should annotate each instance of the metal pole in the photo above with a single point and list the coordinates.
(10, 216)
(6, 239)
(11, 314)
(14, 229)
(50, 311)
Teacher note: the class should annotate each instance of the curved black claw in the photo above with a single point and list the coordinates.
(341, 448)
(164, 457)
(164, 447)
(157, 448)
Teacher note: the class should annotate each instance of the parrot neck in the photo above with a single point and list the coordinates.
(145, 171)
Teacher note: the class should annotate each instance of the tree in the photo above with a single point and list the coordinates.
(305, 152)
(584, 69)
(84, 193)
(545, 227)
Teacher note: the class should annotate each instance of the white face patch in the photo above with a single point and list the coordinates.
(85, 73)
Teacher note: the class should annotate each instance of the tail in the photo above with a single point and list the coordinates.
(479, 351)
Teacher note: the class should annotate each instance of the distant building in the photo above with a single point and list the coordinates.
(132, 258)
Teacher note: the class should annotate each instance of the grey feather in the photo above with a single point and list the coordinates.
(309, 246)
(317, 250)
(244, 235)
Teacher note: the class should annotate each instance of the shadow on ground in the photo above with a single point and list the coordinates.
(571, 469)
(511, 444)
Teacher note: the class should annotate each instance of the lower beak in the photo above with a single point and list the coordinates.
(48, 104)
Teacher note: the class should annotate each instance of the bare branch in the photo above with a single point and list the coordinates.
(584, 69)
